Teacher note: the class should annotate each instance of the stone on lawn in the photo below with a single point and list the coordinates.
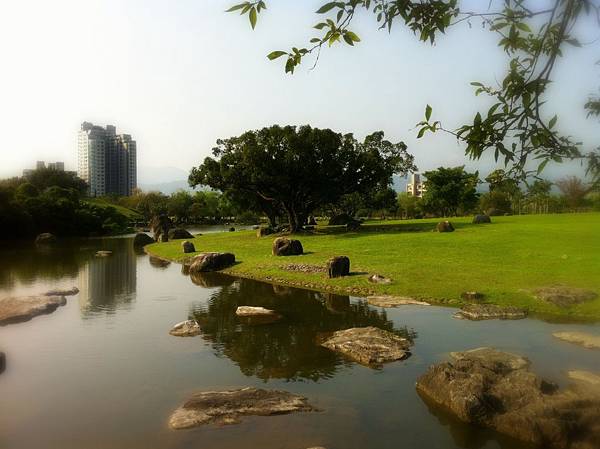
(481, 219)
(494, 389)
(444, 226)
(562, 296)
(379, 279)
(588, 341)
(19, 309)
(338, 266)
(394, 301)
(180, 234)
(476, 312)
(229, 406)
(188, 328)
(188, 247)
(369, 346)
(142, 239)
(283, 246)
(211, 262)
(472, 296)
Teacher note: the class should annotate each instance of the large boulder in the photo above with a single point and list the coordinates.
(477, 312)
(338, 266)
(160, 226)
(19, 309)
(481, 219)
(142, 239)
(229, 406)
(563, 296)
(283, 246)
(188, 247)
(340, 220)
(493, 389)
(211, 262)
(180, 234)
(368, 346)
(444, 226)
(45, 239)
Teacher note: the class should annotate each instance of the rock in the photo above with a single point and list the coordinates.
(103, 253)
(369, 346)
(45, 239)
(478, 312)
(579, 338)
(353, 226)
(211, 262)
(2, 362)
(283, 246)
(585, 376)
(160, 225)
(232, 229)
(188, 247)
(179, 234)
(229, 406)
(472, 296)
(261, 232)
(562, 296)
(338, 266)
(69, 292)
(379, 279)
(493, 389)
(444, 226)
(254, 311)
(481, 219)
(142, 239)
(19, 309)
(339, 220)
(394, 301)
(188, 328)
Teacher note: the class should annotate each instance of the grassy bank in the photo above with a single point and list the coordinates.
(504, 260)
(129, 213)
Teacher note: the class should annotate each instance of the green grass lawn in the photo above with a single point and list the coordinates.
(129, 213)
(504, 260)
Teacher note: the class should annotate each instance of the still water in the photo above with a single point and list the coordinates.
(103, 371)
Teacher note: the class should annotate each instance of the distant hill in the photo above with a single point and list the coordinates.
(166, 187)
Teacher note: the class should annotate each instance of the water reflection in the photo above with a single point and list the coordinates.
(287, 349)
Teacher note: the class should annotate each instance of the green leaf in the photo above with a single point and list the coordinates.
(542, 166)
(252, 17)
(276, 54)
(421, 132)
(236, 7)
(353, 36)
(320, 26)
(552, 122)
(327, 7)
(428, 112)
(524, 27)
(348, 40)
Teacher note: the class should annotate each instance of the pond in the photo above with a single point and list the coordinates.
(103, 371)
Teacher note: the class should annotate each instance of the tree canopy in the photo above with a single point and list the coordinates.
(300, 169)
(450, 191)
(517, 128)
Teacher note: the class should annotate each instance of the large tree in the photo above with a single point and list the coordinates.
(518, 128)
(450, 191)
(300, 169)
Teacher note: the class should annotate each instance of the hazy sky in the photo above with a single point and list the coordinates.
(178, 74)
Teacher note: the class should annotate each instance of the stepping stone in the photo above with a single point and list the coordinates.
(580, 338)
(394, 301)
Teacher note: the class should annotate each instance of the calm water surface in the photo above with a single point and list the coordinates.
(103, 371)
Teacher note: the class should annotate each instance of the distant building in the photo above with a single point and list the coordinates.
(41, 165)
(107, 161)
(415, 186)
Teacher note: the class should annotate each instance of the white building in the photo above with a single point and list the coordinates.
(106, 161)
(415, 186)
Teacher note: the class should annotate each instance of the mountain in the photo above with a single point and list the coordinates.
(162, 179)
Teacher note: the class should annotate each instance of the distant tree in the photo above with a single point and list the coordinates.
(574, 190)
(450, 191)
(179, 204)
(540, 188)
(384, 201)
(151, 204)
(409, 206)
(42, 178)
(496, 202)
(498, 180)
(301, 169)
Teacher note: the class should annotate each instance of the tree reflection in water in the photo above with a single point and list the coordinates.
(286, 349)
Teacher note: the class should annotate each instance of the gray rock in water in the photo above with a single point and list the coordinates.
(142, 239)
(188, 247)
(493, 389)
(283, 246)
(394, 301)
(444, 226)
(478, 312)
(68, 292)
(19, 309)
(562, 296)
(188, 328)
(45, 239)
(211, 262)
(481, 219)
(179, 234)
(584, 339)
(229, 406)
(369, 346)
(338, 266)
(253, 311)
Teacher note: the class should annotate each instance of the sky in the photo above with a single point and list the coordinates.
(179, 74)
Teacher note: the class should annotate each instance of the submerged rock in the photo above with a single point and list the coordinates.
(338, 266)
(283, 246)
(379, 279)
(478, 312)
(103, 253)
(229, 406)
(211, 262)
(45, 239)
(68, 292)
(369, 346)
(497, 390)
(394, 301)
(562, 296)
(19, 309)
(257, 315)
(142, 239)
(444, 226)
(188, 328)
(585, 376)
(589, 341)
